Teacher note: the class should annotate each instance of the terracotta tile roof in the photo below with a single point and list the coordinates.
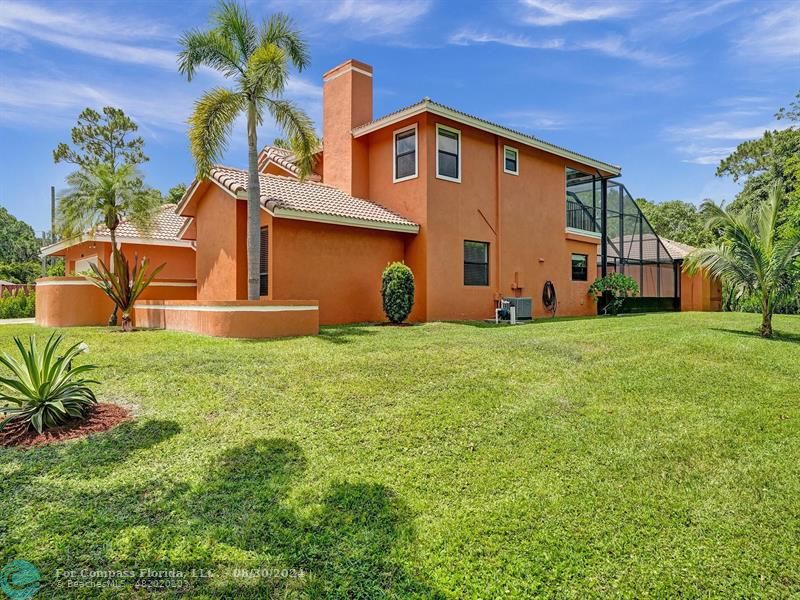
(677, 250)
(309, 197)
(430, 105)
(283, 158)
(166, 227)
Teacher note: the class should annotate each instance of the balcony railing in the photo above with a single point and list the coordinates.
(580, 217)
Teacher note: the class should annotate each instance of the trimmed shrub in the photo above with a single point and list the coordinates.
(616, 287)
(397, 290)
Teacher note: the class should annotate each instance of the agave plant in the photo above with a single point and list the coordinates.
(123, 285)
(44, 389)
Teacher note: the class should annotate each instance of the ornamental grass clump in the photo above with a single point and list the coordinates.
(44, 388)
(397, 290)
(123, 285)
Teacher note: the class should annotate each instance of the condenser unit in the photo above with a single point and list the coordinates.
(523, 306)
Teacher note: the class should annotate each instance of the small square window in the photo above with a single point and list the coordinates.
(448, 153)
(476, 263)
(405, 154)
(580, 267)
(511, 160)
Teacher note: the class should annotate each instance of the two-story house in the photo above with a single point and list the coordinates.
(478, 211)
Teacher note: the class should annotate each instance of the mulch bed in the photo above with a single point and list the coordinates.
(100, 417)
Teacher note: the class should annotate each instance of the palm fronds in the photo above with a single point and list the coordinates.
(210, 126)
(749, 258)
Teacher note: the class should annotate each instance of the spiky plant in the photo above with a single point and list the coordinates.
(750, 258)
(123, 285)
(256, 60)
(44, 389)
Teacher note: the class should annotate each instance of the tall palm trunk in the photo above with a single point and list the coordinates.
(112, 231)
(253, 207)
(766, 318)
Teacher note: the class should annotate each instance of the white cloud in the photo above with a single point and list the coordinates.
(560, 12)
(715, 137)
(614, 46)
(775, 35)
(466, 37)
(617, 47)
(534, 120)
(87, 33)
(373, 18)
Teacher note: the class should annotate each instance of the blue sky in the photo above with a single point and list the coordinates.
(664, 89)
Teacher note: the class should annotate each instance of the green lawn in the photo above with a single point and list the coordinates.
(651, 455)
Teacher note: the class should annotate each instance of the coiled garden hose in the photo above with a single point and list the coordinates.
(549, 297)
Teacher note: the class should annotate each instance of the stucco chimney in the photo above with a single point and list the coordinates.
(346, 103)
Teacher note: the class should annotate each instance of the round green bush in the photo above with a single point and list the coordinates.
(397, 289)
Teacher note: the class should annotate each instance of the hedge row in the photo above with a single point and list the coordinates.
(19, 305)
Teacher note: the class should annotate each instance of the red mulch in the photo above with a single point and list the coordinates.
(100, 417)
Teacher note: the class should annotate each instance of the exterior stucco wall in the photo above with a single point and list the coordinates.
(339, 266)
(700, 293)
(522, 217)
(218, 246)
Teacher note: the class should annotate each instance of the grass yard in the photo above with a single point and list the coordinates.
(652, 455)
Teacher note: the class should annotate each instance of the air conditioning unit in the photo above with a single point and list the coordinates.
(523, 306)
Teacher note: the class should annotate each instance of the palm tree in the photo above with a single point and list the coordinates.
(749, 256)
(256, 60)
(101, 194)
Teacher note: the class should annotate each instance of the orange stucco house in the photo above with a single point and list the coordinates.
(478, 211)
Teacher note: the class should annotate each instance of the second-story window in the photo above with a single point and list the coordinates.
(405, 154)
(448, 153)
(511, 160)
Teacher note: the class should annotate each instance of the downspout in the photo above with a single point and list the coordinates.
(498, 192)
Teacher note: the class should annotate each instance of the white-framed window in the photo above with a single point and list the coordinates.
(510, 160)
(405, 154)
(448, 153)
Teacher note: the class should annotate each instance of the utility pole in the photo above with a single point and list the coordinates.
(48, 237)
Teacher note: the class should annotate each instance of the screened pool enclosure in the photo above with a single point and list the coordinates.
(603, 207)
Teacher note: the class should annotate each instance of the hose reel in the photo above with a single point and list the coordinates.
(549, 300)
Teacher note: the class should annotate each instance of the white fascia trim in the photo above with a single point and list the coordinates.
(427, 106)
(187, 196)
(590, 234)
(347, 70)
(224, 309)
(440, 127)
(299, 215)
(72, 282)
(516, 153)
(184, 228)
(394, 153)
(280, 166)
(53, 248)
(149, 242)
(193, 188)
(87, 282)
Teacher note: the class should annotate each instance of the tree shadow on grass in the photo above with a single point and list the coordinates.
(338, 545)
(345, 334)
(345, 540)
(791, 338)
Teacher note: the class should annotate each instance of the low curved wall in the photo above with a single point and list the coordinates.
(238, 319)
(75, 301)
